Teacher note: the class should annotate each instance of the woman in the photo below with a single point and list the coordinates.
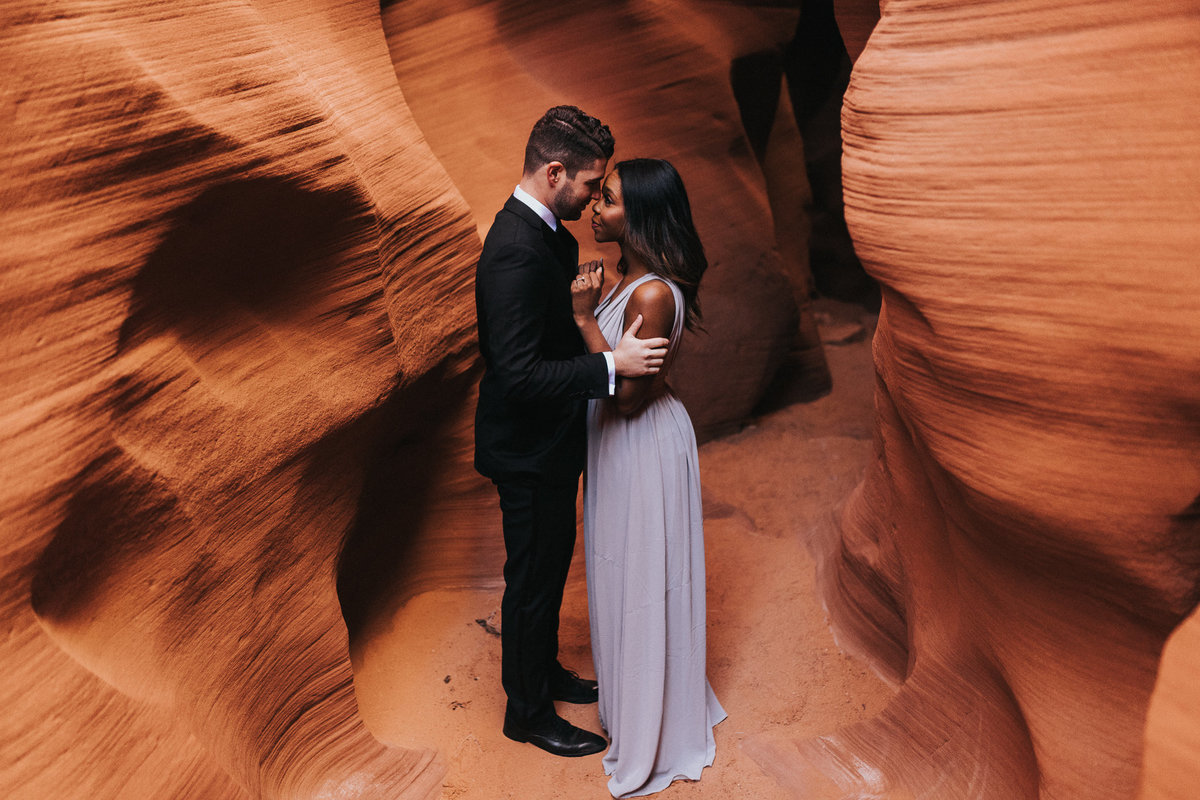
(643, 530)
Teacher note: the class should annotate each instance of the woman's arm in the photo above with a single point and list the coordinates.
(655, 303)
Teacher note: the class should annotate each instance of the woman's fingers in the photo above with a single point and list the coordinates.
(589, 267)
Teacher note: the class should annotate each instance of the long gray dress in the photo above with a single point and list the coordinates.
(644, 540)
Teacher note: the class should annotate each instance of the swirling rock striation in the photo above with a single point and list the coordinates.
(1020, 177)
(233, 278)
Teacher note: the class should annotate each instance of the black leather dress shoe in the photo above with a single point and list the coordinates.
(568, 687)
(557, 736)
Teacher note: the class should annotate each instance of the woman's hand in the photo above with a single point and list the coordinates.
(585, 290)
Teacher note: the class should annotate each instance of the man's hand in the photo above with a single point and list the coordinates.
(634, 357)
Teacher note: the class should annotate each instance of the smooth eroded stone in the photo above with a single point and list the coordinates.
(1020, 177)
(237, 336)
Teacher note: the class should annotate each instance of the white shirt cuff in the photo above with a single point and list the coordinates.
(612, 372)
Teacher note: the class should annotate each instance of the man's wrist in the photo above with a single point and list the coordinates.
(611, 361)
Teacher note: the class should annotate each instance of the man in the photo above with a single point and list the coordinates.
(529, 425)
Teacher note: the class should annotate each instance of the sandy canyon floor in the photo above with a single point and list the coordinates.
(434, 682)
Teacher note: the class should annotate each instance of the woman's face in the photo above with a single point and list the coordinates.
(608, 213)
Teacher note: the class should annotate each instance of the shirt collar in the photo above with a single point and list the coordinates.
(546, 214)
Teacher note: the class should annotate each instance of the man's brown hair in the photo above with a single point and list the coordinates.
(571, 137)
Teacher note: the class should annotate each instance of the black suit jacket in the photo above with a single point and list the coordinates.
(530, 419)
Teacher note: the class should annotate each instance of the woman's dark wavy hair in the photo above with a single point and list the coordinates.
(659, 228)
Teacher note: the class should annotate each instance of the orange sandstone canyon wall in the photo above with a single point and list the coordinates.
(238, 364)
(1020, 176)
(235, 282)
(238, 354)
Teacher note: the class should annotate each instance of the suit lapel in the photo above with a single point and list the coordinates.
(568, 247)
(560, 242)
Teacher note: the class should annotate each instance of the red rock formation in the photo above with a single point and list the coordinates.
(233, 276)
(237, 366)
(1020, 177)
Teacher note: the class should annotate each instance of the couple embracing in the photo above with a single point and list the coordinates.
(575, 360)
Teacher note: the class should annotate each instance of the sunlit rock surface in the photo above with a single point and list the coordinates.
(1171, 763)
(1021, 178)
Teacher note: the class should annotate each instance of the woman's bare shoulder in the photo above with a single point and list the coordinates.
(653, 294)
(654, 301)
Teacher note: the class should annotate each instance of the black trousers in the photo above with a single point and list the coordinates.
(539, 539)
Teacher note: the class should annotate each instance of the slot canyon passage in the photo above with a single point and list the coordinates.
(954, 550)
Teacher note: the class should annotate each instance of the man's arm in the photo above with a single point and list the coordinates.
(514, 287)
(639, 358)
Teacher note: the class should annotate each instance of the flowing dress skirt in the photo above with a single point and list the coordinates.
(644, 542)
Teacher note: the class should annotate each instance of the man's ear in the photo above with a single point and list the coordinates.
(555, 172)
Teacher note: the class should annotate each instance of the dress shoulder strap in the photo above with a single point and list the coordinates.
(623, 297)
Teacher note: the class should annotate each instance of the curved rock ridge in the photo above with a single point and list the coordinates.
(1020, 177)
(477, 75)
(237, 334)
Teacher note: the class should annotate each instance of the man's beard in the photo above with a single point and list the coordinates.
(564, 209)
